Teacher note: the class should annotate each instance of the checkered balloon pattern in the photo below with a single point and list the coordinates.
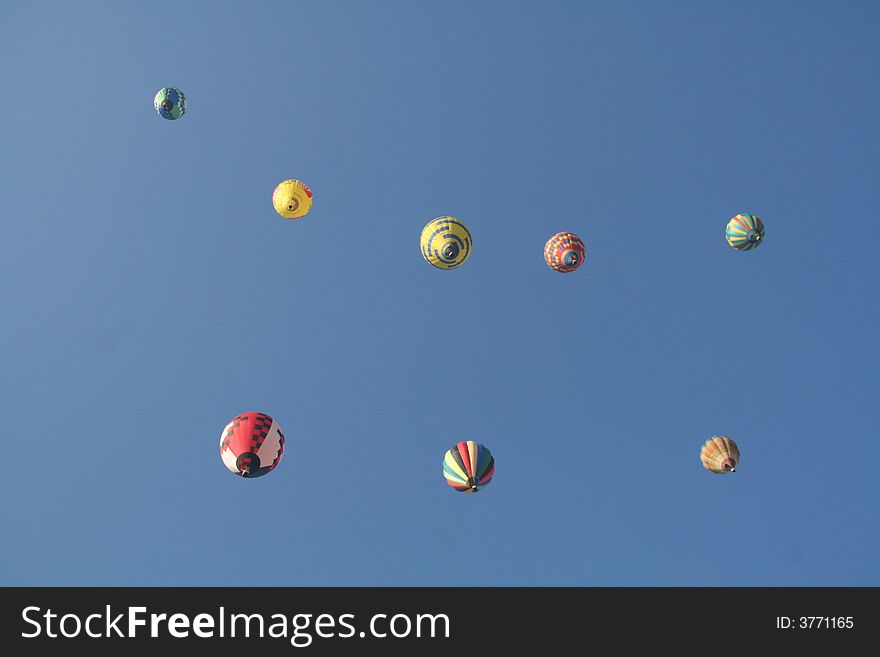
(564, 252)
(251, 445)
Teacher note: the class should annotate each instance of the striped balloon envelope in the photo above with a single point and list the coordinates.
(744, 232)
(170, 103)
(564, 252)
(720, 455)
(468, 466)
(251, 445)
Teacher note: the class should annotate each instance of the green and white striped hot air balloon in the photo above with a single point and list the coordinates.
(170, 103)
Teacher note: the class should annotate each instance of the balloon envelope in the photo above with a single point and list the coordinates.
(564, 252)
(251, 445)
(744, 232)
(446, 242)
(720, 455)
(170, 103)
(292, 199)
(468, 466)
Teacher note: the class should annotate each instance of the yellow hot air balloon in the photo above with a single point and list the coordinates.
(719, 455)
(446, 242)
(292, 199)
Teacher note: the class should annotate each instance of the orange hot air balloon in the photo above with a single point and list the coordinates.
(720, 455)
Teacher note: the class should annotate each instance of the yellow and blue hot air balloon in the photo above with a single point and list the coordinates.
(468, 466)
(720, 455)
(170, 103)
(744, 232)
(292, 199)
(446, 242)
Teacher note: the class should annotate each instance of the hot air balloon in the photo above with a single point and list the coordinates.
(720, 455)
(468, 466)
(292, 199)
(251, 445)
(170, 103)
(564, 252)
(446, 242)
(744, 232)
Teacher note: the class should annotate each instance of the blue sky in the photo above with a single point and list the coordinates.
(151, 293)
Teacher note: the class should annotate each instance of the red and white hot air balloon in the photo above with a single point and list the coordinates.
(251, 445)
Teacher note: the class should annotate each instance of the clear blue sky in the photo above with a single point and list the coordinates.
(151, 293)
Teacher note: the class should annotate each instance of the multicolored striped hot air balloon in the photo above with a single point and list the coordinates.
(292, 199)
(170, 103)
(564, 252)
(251, 445)
(446, 242)
(468, 466)
(719, 455)
(744, 232)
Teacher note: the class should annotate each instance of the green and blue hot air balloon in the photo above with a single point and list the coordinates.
(744, 232)
(170, 103)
